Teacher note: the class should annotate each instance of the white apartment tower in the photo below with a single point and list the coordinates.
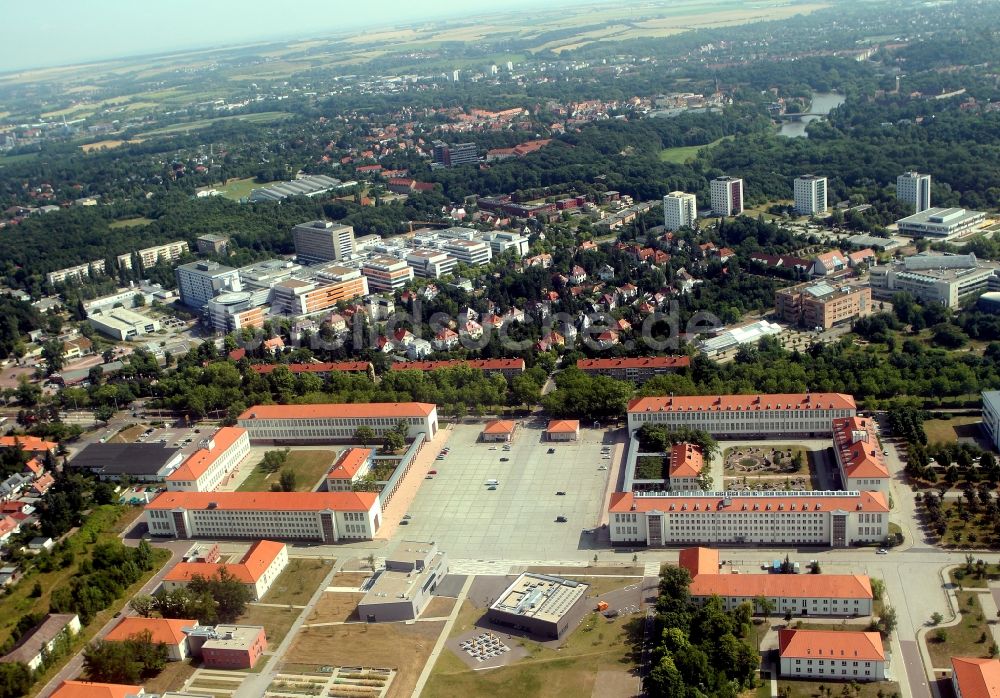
(679, 210)
(914, 189)
(323, 241)
(727, 196)
(810, 195)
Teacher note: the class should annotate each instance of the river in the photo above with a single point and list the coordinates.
(822, 103)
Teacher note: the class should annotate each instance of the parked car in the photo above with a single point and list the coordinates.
(561, 519)
(504, 460)
(432, 472)
(560, 493)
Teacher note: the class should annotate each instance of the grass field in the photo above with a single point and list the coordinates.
(403, 647)
(963, 639)
(970, 581)
(130, 222)
(266, 117)
(172, 677)
(688, 152)
(237, 189)
(597, 650)
(950, 429)
(109, 144)
(299, 581)
(308, 466)
(276, 621)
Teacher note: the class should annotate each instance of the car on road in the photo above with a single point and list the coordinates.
(432, 472)
(429, 477)
(407, 517)
(561, 493)
(561, 519)
(551, 450)
(493, 448)
(504, 460)
(492, 487)
(404, 522)
(602, 467)
(885, 452)
(881, 551)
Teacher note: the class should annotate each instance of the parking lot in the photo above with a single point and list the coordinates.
(456, 509)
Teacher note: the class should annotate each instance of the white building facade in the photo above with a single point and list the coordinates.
(680, 210)
(727, 196)
(320, 423)
(810, 195)
(914, 189)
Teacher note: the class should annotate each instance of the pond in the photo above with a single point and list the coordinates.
(822, 104)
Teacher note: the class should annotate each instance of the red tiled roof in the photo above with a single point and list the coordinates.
(165, 630)
(27, 443)
(360, 366)
(248, 570)
(686, 460)
(797, 586)
(730, 403)
(499, 426)
(699, 561)
(340, 410)
(832, 644)
(90, 689)
(349, 463)
(868, 502)
(638, 362)
(200, 461)
(479, 364)
(563, 426)
(266, 501)
(976, 677)
(858, 448)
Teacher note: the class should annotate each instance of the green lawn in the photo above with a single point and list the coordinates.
(298, 582)
(811, 689)
(261, 118)
(308, 466)
(963, 639)
(971, 581)
(236, 189)
(683, 153)
(950, 429)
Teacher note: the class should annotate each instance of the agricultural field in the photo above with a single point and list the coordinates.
(266, 117)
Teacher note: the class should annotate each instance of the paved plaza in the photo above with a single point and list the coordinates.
(518, 519)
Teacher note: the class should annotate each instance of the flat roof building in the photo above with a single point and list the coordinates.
(914, 190)
(401, 591)
(329, 517)
(833, 518)
(430, 264)
(299, 297)
(539, 604)
(198, 282)
(941, 223)
(727, 196)
(680, 210)
(810, 195)
(934, 278)
(323, 241)
(991, 416)
(122, 324)
(151, 256)
(210, 243)
(822, 305)
(310, 185)
(741, 415)
(140, 462)
(734, 337)
(471, 252)
(228, 646)
(386, 273)
(310, 423)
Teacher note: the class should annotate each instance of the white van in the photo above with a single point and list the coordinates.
(493, 483)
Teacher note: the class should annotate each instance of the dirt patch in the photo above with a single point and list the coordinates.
(349, 579)
(127, 436)
(336, 607)
(439, 607)
(614, 684)
(370, 644)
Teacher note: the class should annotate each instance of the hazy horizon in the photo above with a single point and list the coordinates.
(102, 30)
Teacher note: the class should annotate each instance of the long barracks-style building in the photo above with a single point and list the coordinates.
(336, 422)
(329, 517)
(830, 518)
(797, 414)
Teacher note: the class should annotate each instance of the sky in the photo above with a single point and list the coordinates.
(64, 32)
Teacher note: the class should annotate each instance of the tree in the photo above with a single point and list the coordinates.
(393, 442)
(764, 606)
(887, 621)
(364, 435)
(128, 662)
(228, 593)
(52, 352)
(287, 480)
(143, 604)
(936, 618)
(15, 679)
(666, 681)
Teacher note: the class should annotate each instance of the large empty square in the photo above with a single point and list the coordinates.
(517, 520)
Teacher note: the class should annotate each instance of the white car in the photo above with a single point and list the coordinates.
(603, 467)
